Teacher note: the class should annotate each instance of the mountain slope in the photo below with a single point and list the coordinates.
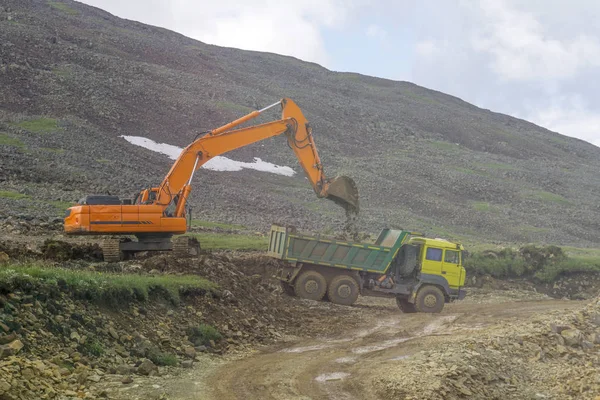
(74, 78)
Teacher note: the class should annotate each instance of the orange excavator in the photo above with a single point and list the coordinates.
(158, 213)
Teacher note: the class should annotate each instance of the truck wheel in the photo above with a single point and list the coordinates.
(287, 288)
(343, 289)
(405, 306)
(310, 285)
(430, 299)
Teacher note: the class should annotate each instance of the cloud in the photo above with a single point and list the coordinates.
(376, 32)
(522, 49)
(427, 48)
(571, 116)
(289, 28)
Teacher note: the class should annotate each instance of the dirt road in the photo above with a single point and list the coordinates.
(340, 367)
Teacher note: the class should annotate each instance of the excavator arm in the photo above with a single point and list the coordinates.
(176, 186)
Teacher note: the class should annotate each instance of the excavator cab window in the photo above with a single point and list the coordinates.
(170, 210)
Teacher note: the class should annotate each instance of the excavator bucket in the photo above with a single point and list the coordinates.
(343, 191)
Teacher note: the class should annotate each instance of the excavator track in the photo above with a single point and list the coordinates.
(185, 246)
(111, 250)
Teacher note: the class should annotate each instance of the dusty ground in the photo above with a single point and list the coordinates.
(343, 365)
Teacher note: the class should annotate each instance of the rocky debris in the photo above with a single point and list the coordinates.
(85, 341)
(26, 224)
(552, 356)
(147, 367)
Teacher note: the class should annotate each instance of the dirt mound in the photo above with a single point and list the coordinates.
(551, 357)
(251, 306)
(59, 250)
(51, 250)
(17, 250)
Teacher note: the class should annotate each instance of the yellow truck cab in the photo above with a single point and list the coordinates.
(440, 264)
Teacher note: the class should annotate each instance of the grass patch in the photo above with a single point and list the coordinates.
(103, 161)
(209, 224)
(547, 197)
(6, 140)
(469, 171)
(226, 105)
(7, 194)
(216, 241)
(444, 146)
(162, 358)
(39, 125)
(481, 206)
(497, 166)
(583, 253)
(62, 72)
(63, 7)
(62, 205)
(203, 334)
(101, 288)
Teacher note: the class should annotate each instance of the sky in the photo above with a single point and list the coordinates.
(534, 59)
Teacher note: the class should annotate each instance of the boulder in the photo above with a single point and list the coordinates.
(10, 349)
(147, 367)
(572, 337)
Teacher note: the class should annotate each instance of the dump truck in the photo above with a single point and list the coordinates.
(421, 273)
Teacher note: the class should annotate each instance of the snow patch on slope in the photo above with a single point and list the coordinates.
(218, 163)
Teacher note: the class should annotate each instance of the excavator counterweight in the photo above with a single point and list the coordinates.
(158, 213)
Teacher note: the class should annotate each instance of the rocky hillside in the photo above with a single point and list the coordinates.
(74, 78)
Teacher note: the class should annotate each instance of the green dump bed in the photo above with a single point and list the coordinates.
(287, 245)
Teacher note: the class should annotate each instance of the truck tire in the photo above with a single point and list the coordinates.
(430, 299)
(287, 288)
(343, 290)
(310, 285)
(405, 306)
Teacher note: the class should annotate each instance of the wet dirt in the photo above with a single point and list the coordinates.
(341, 366)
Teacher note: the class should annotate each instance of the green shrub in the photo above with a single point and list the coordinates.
(565, 267)
(203, 334)
(543, 263)
(162, 358)
(92, 348)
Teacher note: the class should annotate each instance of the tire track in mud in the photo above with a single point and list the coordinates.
(338, 368)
